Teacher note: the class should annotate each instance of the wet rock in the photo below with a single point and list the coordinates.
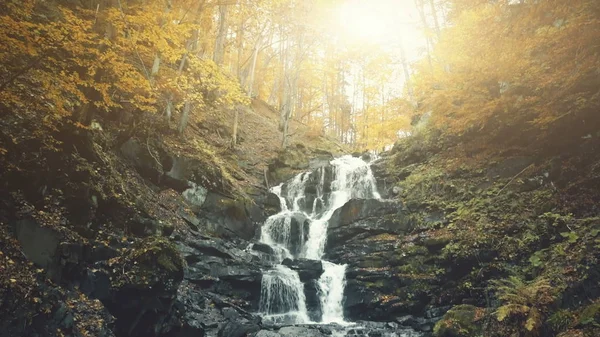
(272, 204)
(359, 216)
(267, 333)
(320, 159)
(298, 331)
(291, 231)
(264, 248)
(313, 300)
(236, 328)
(307, 269)
(417, 323)
(318, 184)
(221, 267)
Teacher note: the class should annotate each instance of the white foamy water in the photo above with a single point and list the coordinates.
(286, 233)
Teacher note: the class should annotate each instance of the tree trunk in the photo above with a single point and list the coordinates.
(406, 70)
(253, 67)
(436, 23)
(236, 116)
(185, 115)
(219, 53)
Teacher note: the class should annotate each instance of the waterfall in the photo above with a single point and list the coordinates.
(300, 231)
(282, 298)
(332, 284)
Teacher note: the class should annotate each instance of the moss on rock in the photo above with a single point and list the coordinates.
(154, 260)
(460, 321)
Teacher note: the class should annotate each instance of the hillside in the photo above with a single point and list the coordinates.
(216, 168)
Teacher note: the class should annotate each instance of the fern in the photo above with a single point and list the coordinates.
(527, 302)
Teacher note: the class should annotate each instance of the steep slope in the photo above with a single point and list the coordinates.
(509, 245)
(111, 231)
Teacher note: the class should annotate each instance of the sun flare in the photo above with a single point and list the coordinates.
(359, 21)
(372, 21)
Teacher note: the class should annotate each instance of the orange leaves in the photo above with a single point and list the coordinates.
(500, 65)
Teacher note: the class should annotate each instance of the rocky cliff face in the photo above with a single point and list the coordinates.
(153, 243)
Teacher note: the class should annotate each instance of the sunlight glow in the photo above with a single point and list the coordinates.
(373, 21)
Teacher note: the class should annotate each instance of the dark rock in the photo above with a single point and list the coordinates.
(144, 287)
(267, 333)
(272, 204)
(40, 244)
(299, 331)
(437, 312)
(417, 323)
(222, 268)
(226, 216)
(361, 209)
(143, 227)
(261, 247)
(142, 159)
(96, 284)
(360, 216)
(307, 269)
(461, 320)
(313, 301)
(235, 328)
(187, 331)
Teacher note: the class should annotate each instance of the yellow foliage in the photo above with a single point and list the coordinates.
(502, 64)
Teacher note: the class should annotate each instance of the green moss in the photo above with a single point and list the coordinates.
(460, 321)
(152, 260)
(561, 320)
(590, 314)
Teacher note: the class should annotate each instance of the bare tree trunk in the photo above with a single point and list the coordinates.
(219, 53)
(405, 68)
(436, 23)
(185, 115)
(253, 67)
(234, 133)
(421, 9)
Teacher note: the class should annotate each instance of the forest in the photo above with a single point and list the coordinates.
(167, 165)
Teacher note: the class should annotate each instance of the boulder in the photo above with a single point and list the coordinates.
(144, 283)
(221, 267)
(299, 331)
(267, 333)
(307, 269)
(460, 321)
(271, 204)
(144, 161)
(368, 217)
(313, 300)
(226, 216)
(237, 328)
(39, 244)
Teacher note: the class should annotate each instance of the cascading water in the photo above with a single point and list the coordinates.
(282, 296)
(300, 230)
